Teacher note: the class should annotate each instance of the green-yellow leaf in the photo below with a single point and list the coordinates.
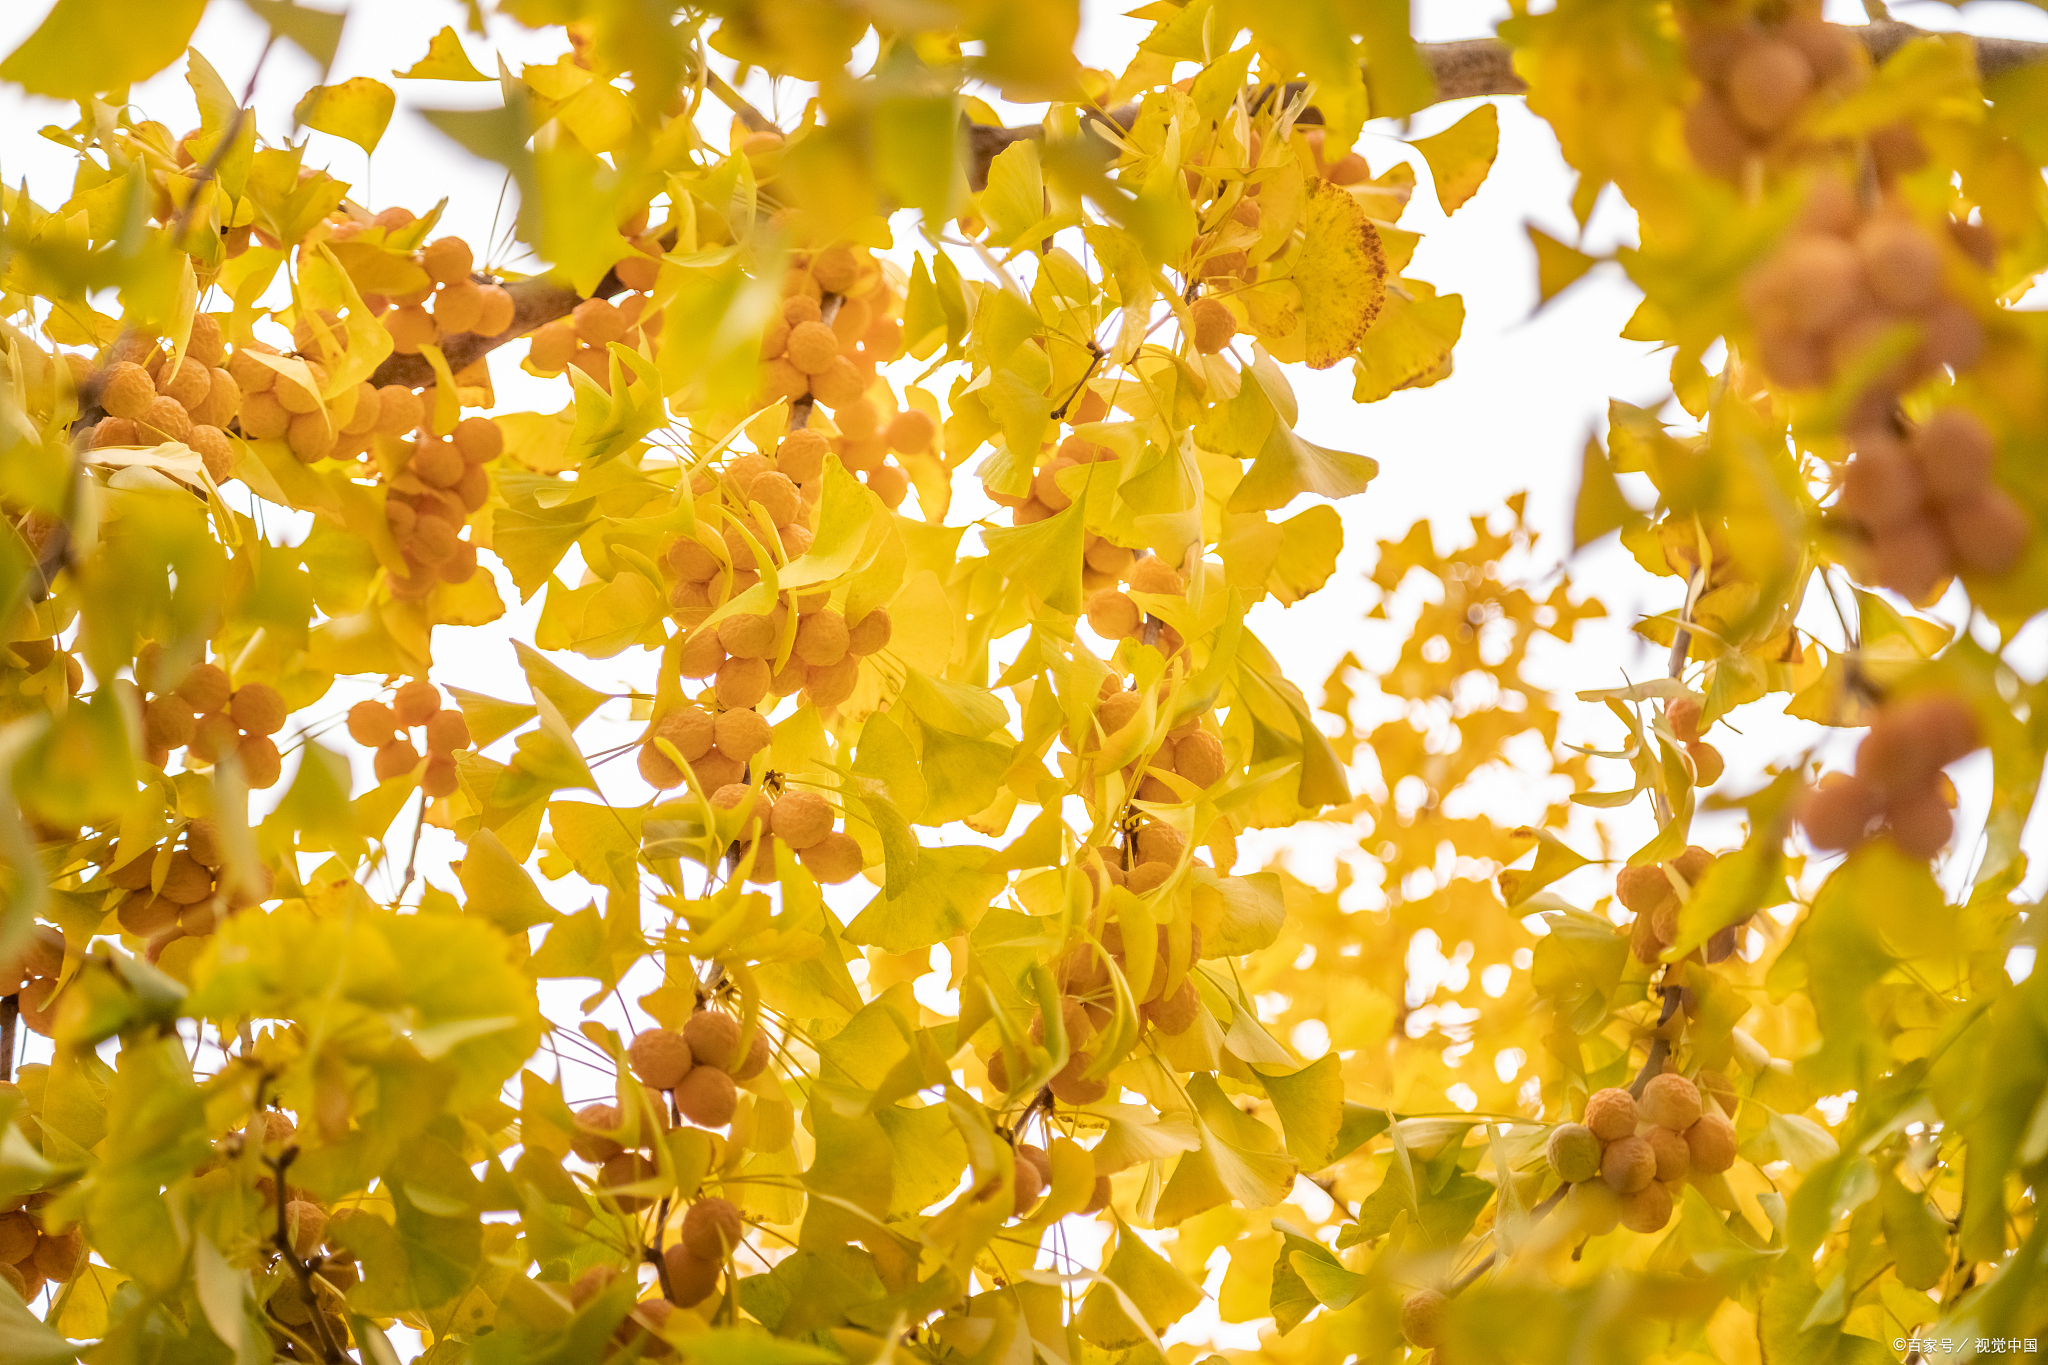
(1144, 1295)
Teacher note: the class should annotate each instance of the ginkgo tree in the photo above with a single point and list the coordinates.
(923, 473)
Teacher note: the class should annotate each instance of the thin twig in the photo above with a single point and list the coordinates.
(1536, 1215)
(654, 1253)
(732, 99)
(412, 861)
(10, 1012)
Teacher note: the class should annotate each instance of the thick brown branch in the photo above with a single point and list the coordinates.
(1476, 66)
(534, 303)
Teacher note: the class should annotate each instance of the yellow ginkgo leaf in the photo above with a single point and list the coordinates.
(358, 109)
(1460, 156)
(1342, 274)
(445, 61)
(86, 46)
(1558, 266)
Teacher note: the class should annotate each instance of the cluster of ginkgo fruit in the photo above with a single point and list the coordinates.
(1031, 1176)
(1853, 290)
(712, 1228)
(177, 890)
(838, 323)
(1642, 1152)
(1223, 263)
(802, 643)
(330, 1270)
(415, 706)
(717, 750)
(696, 1069)
(33, 1251)
(282, 402)
(1684, 714)
(31, 976)
(580, 340)
(1115, 615)
(1850, 276)
(756, 503)
(210, 718)
(1049, 494)
(429, 502)
(1758, 74)
(1088, 999)
(1930, 504)
(1898, 784)
(1651, 893)
(831, 359)
(1188, 760)
(1624, 1164)
(771, 814)
(452, 301)
(32, 657)
(147, 400)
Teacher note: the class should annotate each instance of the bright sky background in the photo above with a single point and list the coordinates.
(1526, 393)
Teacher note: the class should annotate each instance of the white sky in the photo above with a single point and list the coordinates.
(1515, 415)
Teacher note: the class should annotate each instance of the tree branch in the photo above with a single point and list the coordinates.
(1475, 66)
(1660, 1046)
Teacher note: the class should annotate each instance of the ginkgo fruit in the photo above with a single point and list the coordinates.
(707, 1097)
(1647, 1209)
(1594, 1208)
(1113, 615)
(1071, 1085)
(834, 858)
(1673, 1153)
(1712, 1144)
(1627, 1164)
(1213, 325)
(617, 1176)
(1611, 1114)
(1027, 1184)
(1670, 1101)
(306, 1225)
(712, 1228)
(596, 1138)
(759, 1054)
(1422, 1317)
(1177, 1011)
(801, 819)
(691, 1278)
(661, 1057)
(713, 1038)
(1573, 1150)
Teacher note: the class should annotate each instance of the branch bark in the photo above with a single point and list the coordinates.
(1473, 67)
